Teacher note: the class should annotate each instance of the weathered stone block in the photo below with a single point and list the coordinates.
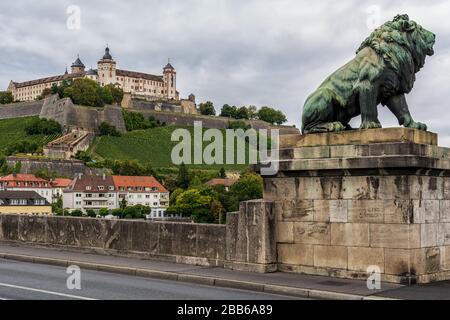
(394, 187)
(312, 152)
(360, 187)
(349, 151)
(232, 235)
(210, 242)
(32, 229)
(394, 236)
(398, 211)
(178, 239)
(315, 188)
(118, 234)
(256, 240)
(429, 235)
(443, 234)
(296, 254)
(413, 261)
(63, 231)
(285, 232)
(445, 258)
(330, 257)
(10, 227)
(294, 210)
(426, 188)
(144, 237)
(426, 211)
(330, 210)
(312, 233)
(444, 211)
(359, 259)
(279, 188)
(350, 234)
(366, 211)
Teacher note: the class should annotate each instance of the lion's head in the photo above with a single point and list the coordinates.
(403, 44)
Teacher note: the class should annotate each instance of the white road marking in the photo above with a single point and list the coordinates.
(45, 291)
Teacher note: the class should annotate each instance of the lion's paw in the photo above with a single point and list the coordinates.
(336, 126)
(370, 125)
(418, 126)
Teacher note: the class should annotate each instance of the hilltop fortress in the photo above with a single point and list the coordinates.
(148, 86)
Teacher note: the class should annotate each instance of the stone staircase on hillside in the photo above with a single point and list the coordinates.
(68, 145)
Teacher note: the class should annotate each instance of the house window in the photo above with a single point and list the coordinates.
(101, 188)
(88, 187)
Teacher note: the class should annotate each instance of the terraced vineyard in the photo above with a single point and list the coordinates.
(13, 131)
(146, 146)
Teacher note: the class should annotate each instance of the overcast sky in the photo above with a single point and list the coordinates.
(259, 52)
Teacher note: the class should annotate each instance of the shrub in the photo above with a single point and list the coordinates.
(107, 129)
(43, 126)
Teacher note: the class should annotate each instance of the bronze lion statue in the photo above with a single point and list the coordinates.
(383, 71)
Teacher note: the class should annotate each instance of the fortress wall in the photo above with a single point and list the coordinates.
(209, 122)
(113, 115)
(21, 109)
(67, 168)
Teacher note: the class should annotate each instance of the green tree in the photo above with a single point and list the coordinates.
(103, 212)
(271, 115)
(123, 204)
(248, 187)
(91, 213)
(107, 129)
(43, 126)
(6, 97)
(242, 113)
(118, 212)
(57, 206)
(115, 91)
(83, 156)
(183, 179)
(17, 167)
(85, 92)
(207, 108)
(76, 213)
(228, 111)
(192, 203)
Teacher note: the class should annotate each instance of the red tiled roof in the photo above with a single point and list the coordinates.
(94, 182)
(22, 177)
(221, 182)
(143, 182)
(61, 183)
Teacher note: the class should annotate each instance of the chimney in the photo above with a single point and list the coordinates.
(104, 176)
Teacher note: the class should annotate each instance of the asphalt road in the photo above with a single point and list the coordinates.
(22, 280)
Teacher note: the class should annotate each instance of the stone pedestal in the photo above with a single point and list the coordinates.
(346, 201)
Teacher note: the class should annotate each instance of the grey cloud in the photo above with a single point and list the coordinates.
(262, 52)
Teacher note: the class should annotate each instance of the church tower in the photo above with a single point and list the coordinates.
(77, 66)
(170, 81)
(106, 69)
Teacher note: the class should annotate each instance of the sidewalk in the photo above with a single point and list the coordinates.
(279, 283)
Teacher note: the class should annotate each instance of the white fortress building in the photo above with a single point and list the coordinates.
(157, 87)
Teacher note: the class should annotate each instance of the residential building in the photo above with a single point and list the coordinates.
(146, 191)
(227, 182)
(157, 87)
(90, 192)
(27, 182)
(58, 185)
(24, 202)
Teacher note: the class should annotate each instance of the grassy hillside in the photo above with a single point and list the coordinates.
(13, 131)
(147, 146)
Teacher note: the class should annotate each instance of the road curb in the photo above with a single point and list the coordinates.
(202, 280)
